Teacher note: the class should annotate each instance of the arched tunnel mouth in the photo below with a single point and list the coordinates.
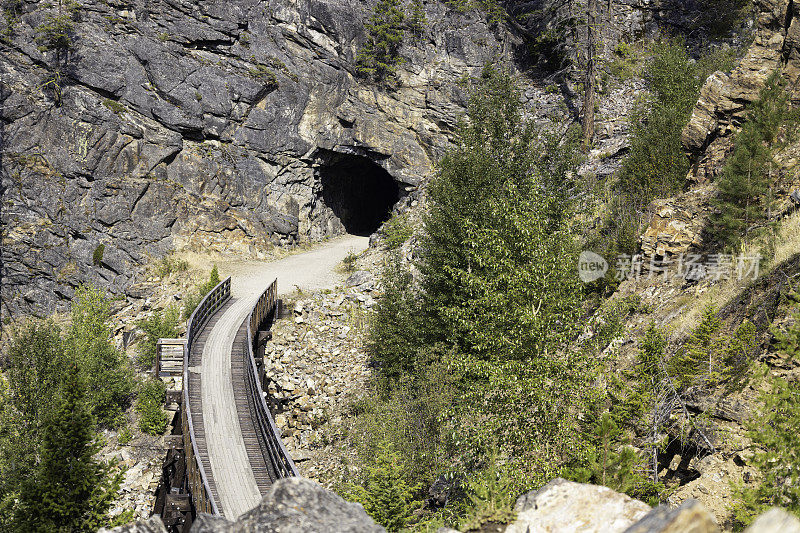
(359, 191)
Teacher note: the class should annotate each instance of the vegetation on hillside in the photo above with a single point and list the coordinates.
(163, 325)
(656, 166)
(751, 175)
(196, 296)
(472, 354)
(59, 389)
(379, 55)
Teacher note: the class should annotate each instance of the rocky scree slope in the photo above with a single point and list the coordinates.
(207, 125)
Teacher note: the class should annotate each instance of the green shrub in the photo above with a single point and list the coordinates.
(393, 333)
(115, 106)
(152, 418)
(168, 265)
(264, 74)
(97, 255)
(774, 431)
(656, 166)
(157, 326)
(379, 56)
(349, 261)
(615, 464)
(624, 63)
(125, 436)
(491, 497)
(396, 231)
(386, 494)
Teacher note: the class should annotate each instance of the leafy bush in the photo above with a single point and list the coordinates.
(379, 56)
(152, 418)
(106, 370)
(125, 436)
(157, 326)
(386, 495)
(396, 231)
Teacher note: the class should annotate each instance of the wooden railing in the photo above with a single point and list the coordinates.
(195, 471)
(275, 455)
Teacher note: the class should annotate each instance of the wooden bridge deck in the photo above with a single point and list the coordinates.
(224, 431)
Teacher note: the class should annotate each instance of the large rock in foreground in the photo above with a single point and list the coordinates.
(293, 505)
(296, 505)
(567, 506)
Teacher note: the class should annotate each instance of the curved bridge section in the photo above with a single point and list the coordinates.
(232, 447)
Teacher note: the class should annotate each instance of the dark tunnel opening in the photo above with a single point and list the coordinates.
(360, 192)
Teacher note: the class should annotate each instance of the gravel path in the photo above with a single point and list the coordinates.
(308, 271)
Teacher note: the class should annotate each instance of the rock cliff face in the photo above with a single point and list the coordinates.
(211, 125)
(723, 98)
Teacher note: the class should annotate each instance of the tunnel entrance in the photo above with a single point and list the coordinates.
(358, 191)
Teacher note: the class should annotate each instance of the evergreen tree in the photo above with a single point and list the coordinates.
(417, 18)
(750, 174)
(379, 56)
(35, 363)
(386, 494)
(70, 490)
(394, 325)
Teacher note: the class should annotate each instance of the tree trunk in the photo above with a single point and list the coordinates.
(589, 82)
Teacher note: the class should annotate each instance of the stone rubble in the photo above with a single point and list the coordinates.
(315, 366)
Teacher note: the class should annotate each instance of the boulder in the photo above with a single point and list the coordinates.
(567, 506)
(151, 525)
(296, 505)
(689, 517)
(775, 521)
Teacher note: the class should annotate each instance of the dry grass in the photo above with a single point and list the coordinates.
(784, 244)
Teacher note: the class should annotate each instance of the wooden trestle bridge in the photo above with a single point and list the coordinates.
(226, 451)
